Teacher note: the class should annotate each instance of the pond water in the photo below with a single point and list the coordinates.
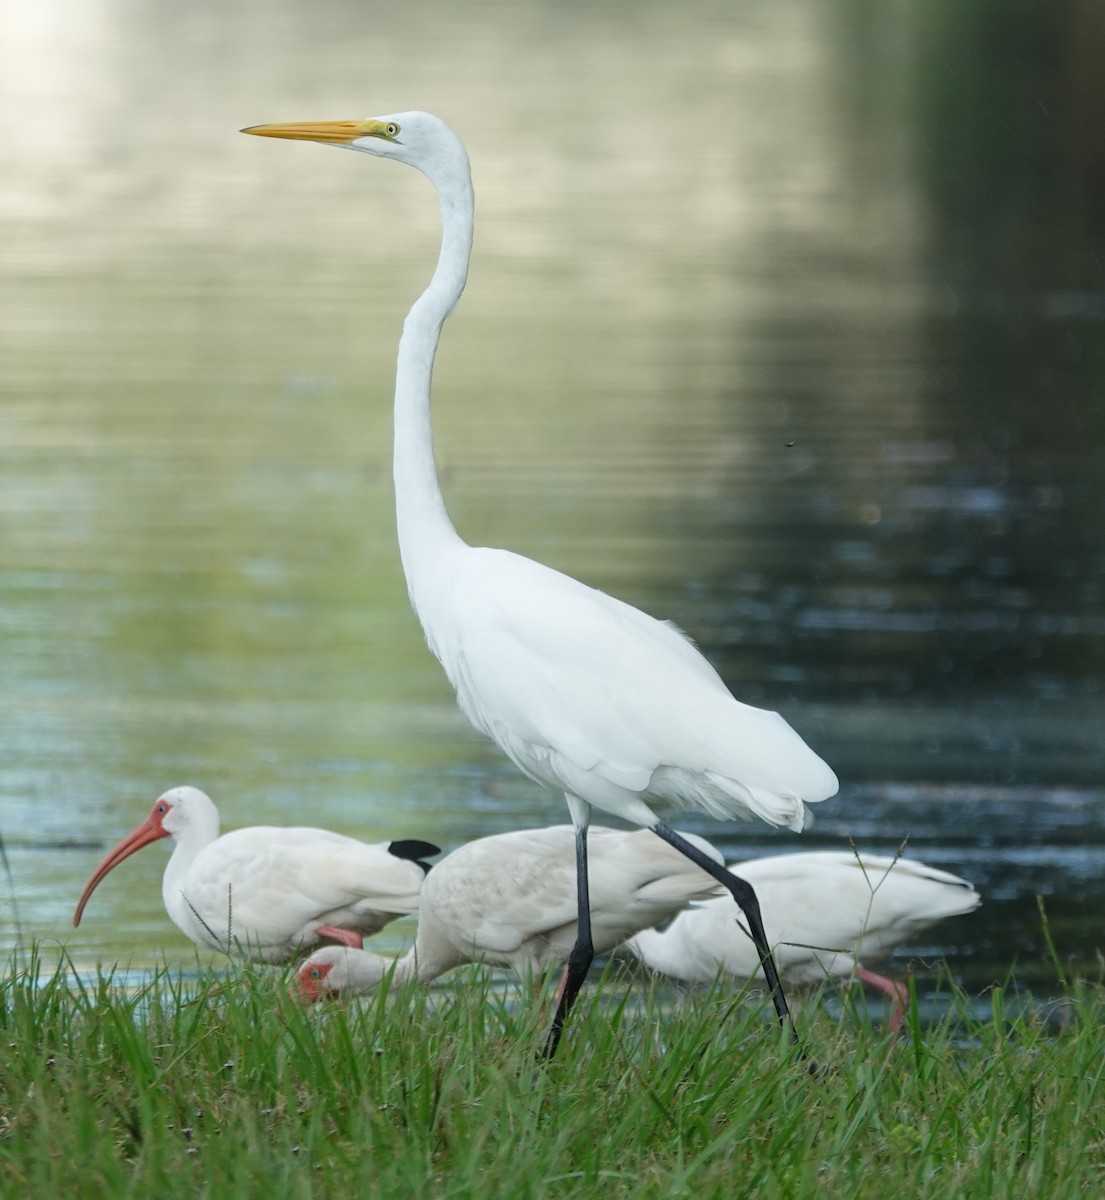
(784, 324)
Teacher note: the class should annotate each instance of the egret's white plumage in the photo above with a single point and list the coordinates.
(269, 892)
(586, 694)
(595, 698)
(510, 900)
(823, 911)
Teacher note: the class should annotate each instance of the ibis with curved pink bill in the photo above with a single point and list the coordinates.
(510, 900)
(269, 892)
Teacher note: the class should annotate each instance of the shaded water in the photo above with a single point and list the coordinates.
(785, 324)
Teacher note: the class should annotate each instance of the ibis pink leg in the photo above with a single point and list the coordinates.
(898, 993)
(347, 937)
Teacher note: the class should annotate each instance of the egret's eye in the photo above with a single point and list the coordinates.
(391, 129)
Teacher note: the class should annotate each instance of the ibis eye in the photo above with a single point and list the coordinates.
(162, 809)
(316, 973)
(391, 129)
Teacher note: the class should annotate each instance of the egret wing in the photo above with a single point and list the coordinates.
(566, 676)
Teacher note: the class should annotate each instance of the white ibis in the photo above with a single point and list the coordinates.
(269, 892)
(510, 900)
(584, 693)
(823, 910)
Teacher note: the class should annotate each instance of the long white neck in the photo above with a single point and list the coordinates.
(365, 971)
(194, 836)
(426, 535)
(429, 957)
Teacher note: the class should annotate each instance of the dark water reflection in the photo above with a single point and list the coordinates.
(810, 360)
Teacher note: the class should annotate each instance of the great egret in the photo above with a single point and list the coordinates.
(510, 900)
(270, 892)
(823, 911)
(586, 694)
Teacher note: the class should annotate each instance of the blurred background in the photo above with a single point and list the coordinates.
(785, 322)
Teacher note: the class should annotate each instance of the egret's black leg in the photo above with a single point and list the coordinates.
(744, 895)
(583, 952)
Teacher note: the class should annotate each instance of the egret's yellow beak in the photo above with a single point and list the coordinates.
(323, 131)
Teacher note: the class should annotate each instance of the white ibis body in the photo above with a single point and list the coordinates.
(269, 892)
(510, 900)
(823, 911)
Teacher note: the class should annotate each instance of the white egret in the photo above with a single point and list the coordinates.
(269, 892)
(586, 694)
(510, 900)
(823, 911)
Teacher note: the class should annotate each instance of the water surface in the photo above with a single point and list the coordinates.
(784, 323)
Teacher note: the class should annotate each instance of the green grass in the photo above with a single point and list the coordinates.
(224, 1087)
